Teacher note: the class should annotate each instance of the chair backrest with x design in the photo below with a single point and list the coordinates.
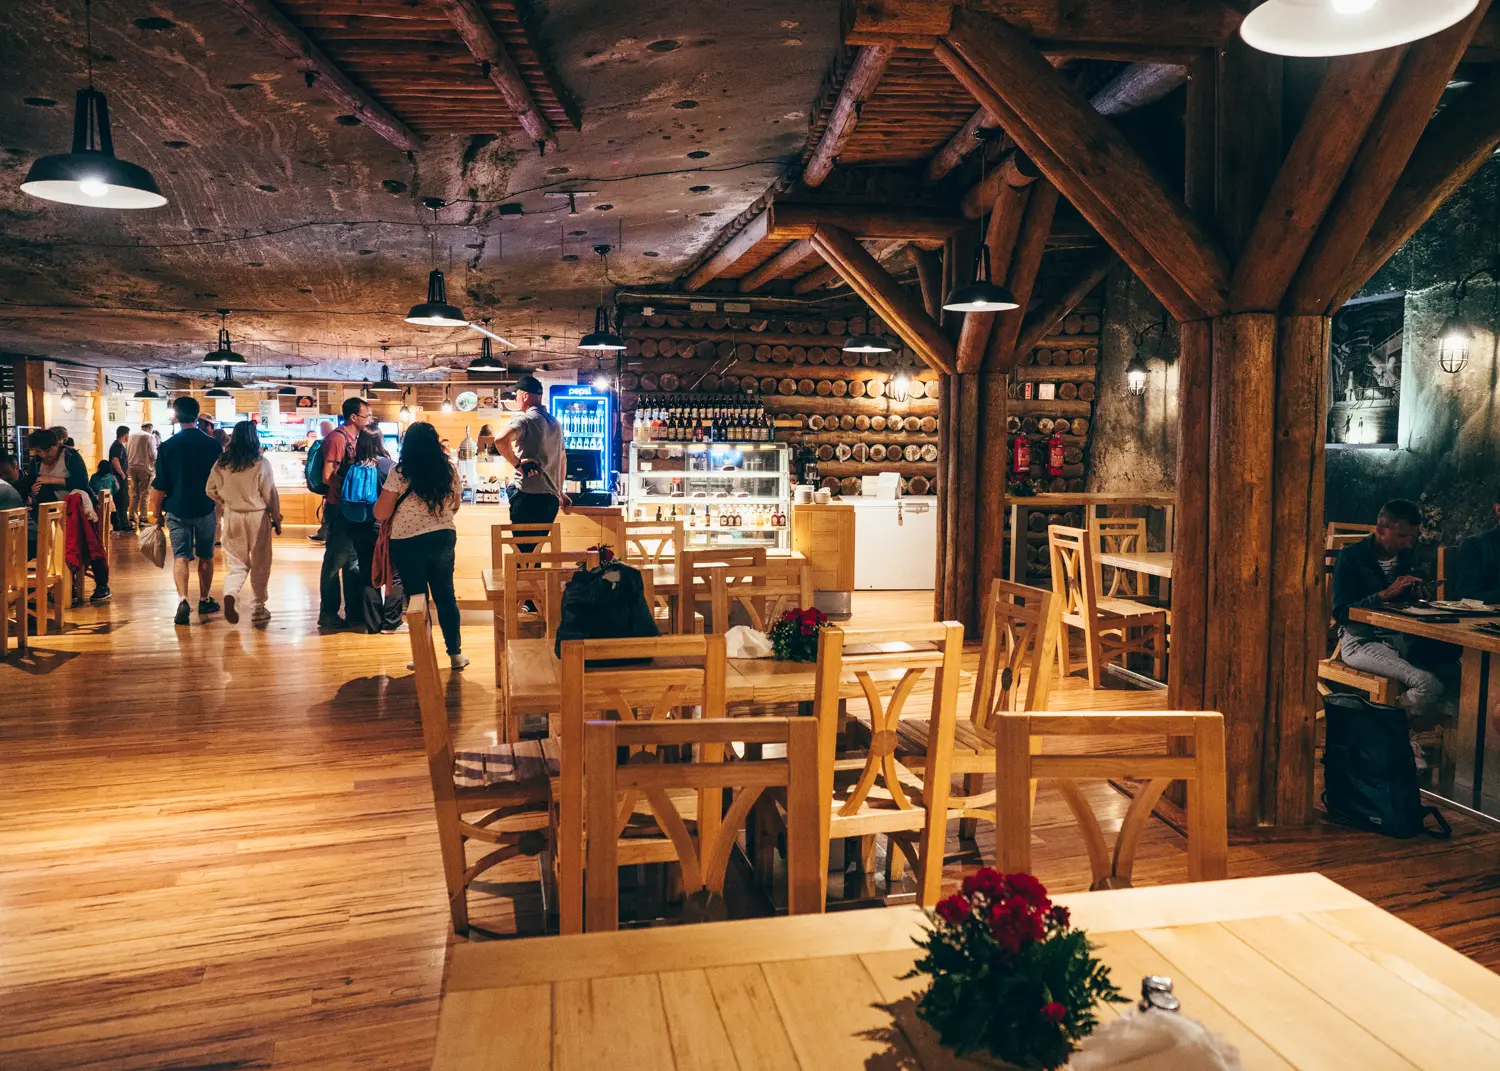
(526, 538)
(615, 791)
(1118, 535)
(1016, 657)
(682, 671)
(537, 578)
(739, 571)
(1073, 575)
(653, 543)
(884, 667)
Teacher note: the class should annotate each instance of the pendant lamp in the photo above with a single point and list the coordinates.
(435, 311)
(601, 337)
(385, 385)
(289, 390)
(1344, 27)
(447, 405)
(866, 343)
(983, 294)
(222, 354)
(146, 392)
(91, 175)
(404, 413)
(220, 389)
(485, 362)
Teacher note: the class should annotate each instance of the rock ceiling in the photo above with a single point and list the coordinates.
(310, 226)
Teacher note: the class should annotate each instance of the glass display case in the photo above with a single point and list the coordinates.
(725, 494)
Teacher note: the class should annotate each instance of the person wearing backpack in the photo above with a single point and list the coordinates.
(417, 504)
(362, 485)
(243, 483)
(340, 580)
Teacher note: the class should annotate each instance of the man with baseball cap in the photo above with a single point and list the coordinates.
(534, 445)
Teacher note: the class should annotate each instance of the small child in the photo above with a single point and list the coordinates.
(104, 479)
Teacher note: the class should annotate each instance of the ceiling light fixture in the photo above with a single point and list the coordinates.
(447, 405)
(91, 175)
(486, 362)
(866, 343)
(601, 338)
(222, 354)
(1344, 27)
(290, 389)
(983, 294)
(65, 398)
(385, 385)
(404, 413)
(146, 392)
(435, 311)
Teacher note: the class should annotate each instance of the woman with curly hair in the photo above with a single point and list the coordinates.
(243, 484)
(417, 504)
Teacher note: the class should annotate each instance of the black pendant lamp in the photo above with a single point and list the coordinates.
(222, 354)
(435, 311)
(289, 390)
(91, 175)
(601, 338)
(146, 392)
(222, 386)
(983, 294)
(386, 385)
(485, 362)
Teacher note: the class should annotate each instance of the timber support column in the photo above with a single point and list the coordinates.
(971, 495)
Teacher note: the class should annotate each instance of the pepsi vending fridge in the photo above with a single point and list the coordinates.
(588, 424)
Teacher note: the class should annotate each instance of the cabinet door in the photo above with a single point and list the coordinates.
(826, 537)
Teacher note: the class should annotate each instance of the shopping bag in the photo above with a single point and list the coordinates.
(153, 543)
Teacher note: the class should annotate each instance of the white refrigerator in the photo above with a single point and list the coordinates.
(895, 542)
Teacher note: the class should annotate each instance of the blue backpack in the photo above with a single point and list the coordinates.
(361, 489)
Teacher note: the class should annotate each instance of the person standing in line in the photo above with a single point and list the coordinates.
(180, 502)
(534, 445)
(119, 468)
(418, 502)
(341, 579)
(243, 484)
(325, 429)
(140, 464)
(363, 481)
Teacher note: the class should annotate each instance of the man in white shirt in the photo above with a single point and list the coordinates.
(140, 460)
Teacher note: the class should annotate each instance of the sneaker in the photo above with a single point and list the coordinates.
(333, 624)
(317, 538)
(1418, 754)
(78, 601)
(458, 661)
(184, 613)
(100, 595)
(260, 616)
(207, 606)
(231, 612)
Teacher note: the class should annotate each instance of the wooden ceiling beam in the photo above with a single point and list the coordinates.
(1025, 262)
(748, 237)
(1456, 144)
(898, 309)
(1089, 161)
(824, 275)
(1138, 85)
(1059, 23)
(1045, 320)
(482, 40)
(1321, 280)
(267, 20)
(965, 141)
(864, 75)
(777, 266)
(1325, 146)
(1014, 170)
(791, 220)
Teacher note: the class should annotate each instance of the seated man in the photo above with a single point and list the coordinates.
(1372, 574)
(1478, 575)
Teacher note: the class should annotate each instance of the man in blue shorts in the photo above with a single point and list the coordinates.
(180, 501)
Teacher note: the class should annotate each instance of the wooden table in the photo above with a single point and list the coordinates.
(1475, 745)
(1151, 562)
(1294, 970)
(1021, 507)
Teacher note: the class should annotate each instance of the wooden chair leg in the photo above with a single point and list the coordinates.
(1093, 648)
(1064, 663)
(973, 786)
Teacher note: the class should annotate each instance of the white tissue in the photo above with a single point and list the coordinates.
(1155, 1041)
(742, 641)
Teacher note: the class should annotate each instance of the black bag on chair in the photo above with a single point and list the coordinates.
(1369, 773)
(606, 602)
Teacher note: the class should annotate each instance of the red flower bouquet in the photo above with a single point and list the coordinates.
(1010, 976)
(794, 638)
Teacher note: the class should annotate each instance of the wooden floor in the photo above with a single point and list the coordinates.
(217, 846)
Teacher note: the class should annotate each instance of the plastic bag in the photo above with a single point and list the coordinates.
(153, 543)
(742, 641)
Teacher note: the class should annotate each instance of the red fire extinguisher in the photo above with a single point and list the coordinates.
(1055, 455)
(1020, 451)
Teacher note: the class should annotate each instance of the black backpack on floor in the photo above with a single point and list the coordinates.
(607, 602)
(1369, 772)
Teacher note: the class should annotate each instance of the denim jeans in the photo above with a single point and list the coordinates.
(1390, 656)
(341, 580)
(425, 564)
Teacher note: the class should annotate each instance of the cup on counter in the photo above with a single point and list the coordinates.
(803, 495)
(823, 496)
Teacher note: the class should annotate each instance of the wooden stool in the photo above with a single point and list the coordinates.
(1016, 767)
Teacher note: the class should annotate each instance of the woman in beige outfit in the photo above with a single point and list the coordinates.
(244, 485)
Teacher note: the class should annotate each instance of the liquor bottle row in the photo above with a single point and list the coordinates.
(719, 515)
(709, 418)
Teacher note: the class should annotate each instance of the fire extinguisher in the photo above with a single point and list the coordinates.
(1055, 455)
(1020, 450)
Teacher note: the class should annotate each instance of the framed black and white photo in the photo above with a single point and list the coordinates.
(1364, 371)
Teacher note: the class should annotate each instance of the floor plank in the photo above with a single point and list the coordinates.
(217, 846)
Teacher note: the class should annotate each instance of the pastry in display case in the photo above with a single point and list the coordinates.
(725, 494)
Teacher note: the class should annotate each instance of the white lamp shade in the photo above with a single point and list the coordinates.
(1344, 27)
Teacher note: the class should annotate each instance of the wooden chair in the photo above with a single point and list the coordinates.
(684, 671)
(506, 539)
(1112, 628)
(508, 782)
(1446, 565)
(875, 793)
(50, 580)
(657, 546)
(13, 579)
(765, 593)
(582, 527)
(665, 609)
(536, 578)
(1017, 765)
(615, 790)
(1118, 535)
(1014, 675)
(106, 510)
(744, 568)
